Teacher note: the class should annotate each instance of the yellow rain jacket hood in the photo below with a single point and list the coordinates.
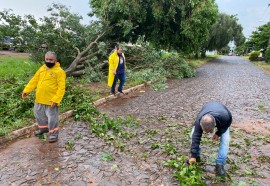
(49, 83)
(113, 64)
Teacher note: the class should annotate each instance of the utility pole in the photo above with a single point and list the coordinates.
(269, 36)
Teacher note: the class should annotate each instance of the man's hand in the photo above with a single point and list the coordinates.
(215, 138)
(192, 160)
(54, 104)
(114, 72)
(24, 95)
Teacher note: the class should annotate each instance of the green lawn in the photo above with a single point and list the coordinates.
(264, 66)
(195, 63)
(16, 66)
(15, 72)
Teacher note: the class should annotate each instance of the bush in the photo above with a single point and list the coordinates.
(4, 46)
(20, 48)
(145, 63)
(12, 107)
(176, 67)
(267, 54)
(254, 55)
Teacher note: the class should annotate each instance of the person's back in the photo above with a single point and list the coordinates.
(218, 111)
(212, 114)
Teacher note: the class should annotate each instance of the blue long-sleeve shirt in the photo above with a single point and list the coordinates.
(223, 119)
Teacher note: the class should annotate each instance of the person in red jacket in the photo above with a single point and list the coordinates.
(49, 82)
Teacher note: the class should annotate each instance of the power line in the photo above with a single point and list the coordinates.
(265, 15)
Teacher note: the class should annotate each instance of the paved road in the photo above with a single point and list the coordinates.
(234, 81)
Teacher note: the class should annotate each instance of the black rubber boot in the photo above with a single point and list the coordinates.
(220, 171)
(53, 139)
(40, 132)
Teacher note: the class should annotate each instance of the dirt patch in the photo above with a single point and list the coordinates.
(254, 127)
(13, 53)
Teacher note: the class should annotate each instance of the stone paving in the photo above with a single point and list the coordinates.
(35, 162)
(234, 81)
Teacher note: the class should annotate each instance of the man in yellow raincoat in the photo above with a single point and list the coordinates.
(117, 70)
(49, 82)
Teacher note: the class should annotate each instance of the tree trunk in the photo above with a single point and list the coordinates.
(73, 65)
(203, 55)
(77, 73)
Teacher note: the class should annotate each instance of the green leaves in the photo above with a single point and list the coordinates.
(260, 38)
(107, 156)
(13, 109)
(186, 174)
(223, 31)
(171, 24)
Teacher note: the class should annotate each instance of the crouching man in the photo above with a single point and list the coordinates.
(212, 114)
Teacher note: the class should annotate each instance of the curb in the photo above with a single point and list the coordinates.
(112, 97)
(27, 131)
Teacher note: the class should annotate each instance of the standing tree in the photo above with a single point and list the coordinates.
(260, 39)
(223, 31)
(61, 32)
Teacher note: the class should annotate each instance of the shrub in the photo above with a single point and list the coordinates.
(4, 46)
(20, 48)
(176, 67)
(254, 55)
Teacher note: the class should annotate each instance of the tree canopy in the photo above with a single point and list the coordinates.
(260, 38)
(223, 31)
(171, 24)
(61, 32)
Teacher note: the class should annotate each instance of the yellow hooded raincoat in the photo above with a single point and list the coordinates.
(113, 64)
(49, 83)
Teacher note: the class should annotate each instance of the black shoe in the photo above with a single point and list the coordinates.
(113, 93)
(40, 132)
(53, 139)
(220, 171)
(121, 92)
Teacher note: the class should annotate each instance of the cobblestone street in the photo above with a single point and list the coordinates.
(234, 81)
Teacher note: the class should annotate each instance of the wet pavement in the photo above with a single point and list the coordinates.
(236, 82)
(166, 117)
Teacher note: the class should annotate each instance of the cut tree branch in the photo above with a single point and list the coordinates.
(77, 73)
(79, 58)
(88, 57)
(78, 50)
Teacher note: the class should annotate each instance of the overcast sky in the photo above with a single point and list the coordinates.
(251, 13)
